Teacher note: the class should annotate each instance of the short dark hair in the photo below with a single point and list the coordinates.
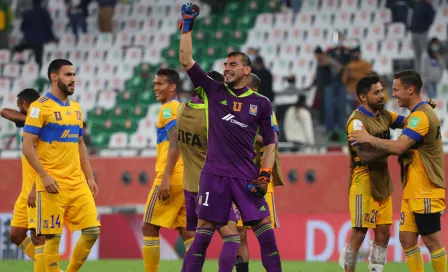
(245, 60)
(216, 76)
(28, 95)
(55, 65)
(255, 81)
(364, 84)
(410, 78)
(318, 50)
(171, 74)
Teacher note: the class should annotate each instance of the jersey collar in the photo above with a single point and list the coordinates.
(174, 98)
(55, 99)
(245, 94)
(418, 105)
(365, 111)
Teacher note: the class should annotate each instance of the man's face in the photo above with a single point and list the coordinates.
(162, 88)
(234, 71)
(23, 106)
(66, 79)
(375, 97)
(401, 93)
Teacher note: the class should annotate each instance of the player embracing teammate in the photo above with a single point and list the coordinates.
(421, 159)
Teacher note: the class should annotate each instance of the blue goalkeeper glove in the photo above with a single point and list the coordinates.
(189, 12)
(259, 187)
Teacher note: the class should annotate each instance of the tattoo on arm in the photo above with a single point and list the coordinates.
(173, 137)
(380, 144)
(368, 153)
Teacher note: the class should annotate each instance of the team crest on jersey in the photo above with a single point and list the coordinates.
(58, 116)
(45, 224)
(78, 115)
(253, 109)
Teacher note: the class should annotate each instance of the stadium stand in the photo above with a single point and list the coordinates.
(115, 71)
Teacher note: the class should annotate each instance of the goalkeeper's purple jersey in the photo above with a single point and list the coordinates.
(234, 117)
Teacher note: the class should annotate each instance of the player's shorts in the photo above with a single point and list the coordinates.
(271, 204)
(412, 210)
(365, 212)
(216, 194)
(75, 208)
(23, 216)
(170, 213)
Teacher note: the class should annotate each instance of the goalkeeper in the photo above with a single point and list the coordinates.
(234, 114)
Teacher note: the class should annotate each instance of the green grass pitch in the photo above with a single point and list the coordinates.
(210, 266)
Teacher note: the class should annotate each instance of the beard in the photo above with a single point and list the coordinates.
(64, 88)
(376, 106)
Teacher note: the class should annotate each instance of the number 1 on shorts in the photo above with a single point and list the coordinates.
(206, 199)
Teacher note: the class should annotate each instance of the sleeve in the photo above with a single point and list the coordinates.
(35, 119)
(200, 79)
(396, 120)
(81, 126)
(267, 124)
(275, 123)
(169, 115)
(417, 127)
(354, 125)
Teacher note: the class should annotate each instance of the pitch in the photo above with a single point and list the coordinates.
(210, 266)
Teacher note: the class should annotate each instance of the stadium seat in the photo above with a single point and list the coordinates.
(343, 20)
(118, 140)
(284, 20)
(369, 5)
(140, 11)
(376, 32)
(330, 5)
(142, 39)
(138, 140)
(362, 19)
(396, 31)
(128, 153)
(19, 85)
(383, 65)
(310, 6)
(322, 19)
(438, 30)
(349, 5)
(264, 21)
(383, 16)
(22, 57)
(11, 70)
(123, 39)
(5, 56)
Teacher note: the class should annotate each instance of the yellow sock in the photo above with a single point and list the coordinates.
(51, 254)
(438, 260)
(39, 260)
(414, 259)
(151, 253)
(82, 248)
(188, 243)
(28, 247)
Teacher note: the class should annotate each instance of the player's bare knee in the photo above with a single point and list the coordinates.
(357, 237)
(185, 234)
(408, 239)
(226, 231)
(150, 230)
(432, 241)
(382, 235)
(243, 234)
(16, 235)
(205, 224)
(38, 240)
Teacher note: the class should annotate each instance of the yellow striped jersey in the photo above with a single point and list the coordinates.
(59, 127)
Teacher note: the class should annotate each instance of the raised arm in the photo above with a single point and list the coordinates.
(189, 13)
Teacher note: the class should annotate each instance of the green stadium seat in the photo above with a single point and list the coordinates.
(135, 83)
(120, 111)
(138, 112)
(99, 113)
(255, 7)
(205, 24)
(100, 140)
(147, 97)
(237, 38)
(245, 22)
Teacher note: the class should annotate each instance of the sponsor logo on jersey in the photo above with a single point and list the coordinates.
(229, 118)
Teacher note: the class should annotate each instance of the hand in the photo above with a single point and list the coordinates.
(164, 189)
(93, 187)
(189, 13)
(50, 185)
(259, 187)
(432, 103)
(32, 198)
(359, 137)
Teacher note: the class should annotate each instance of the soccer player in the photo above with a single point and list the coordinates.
(165, 206)
(65, 185)
(242, 260)
(234, 114)
(370, 184)
(421, 159)
(192, 128)
(24, 214)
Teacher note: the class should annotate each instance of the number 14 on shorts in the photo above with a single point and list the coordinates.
(53, 222)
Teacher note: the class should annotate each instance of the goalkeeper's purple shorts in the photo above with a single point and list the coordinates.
(216, 194)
